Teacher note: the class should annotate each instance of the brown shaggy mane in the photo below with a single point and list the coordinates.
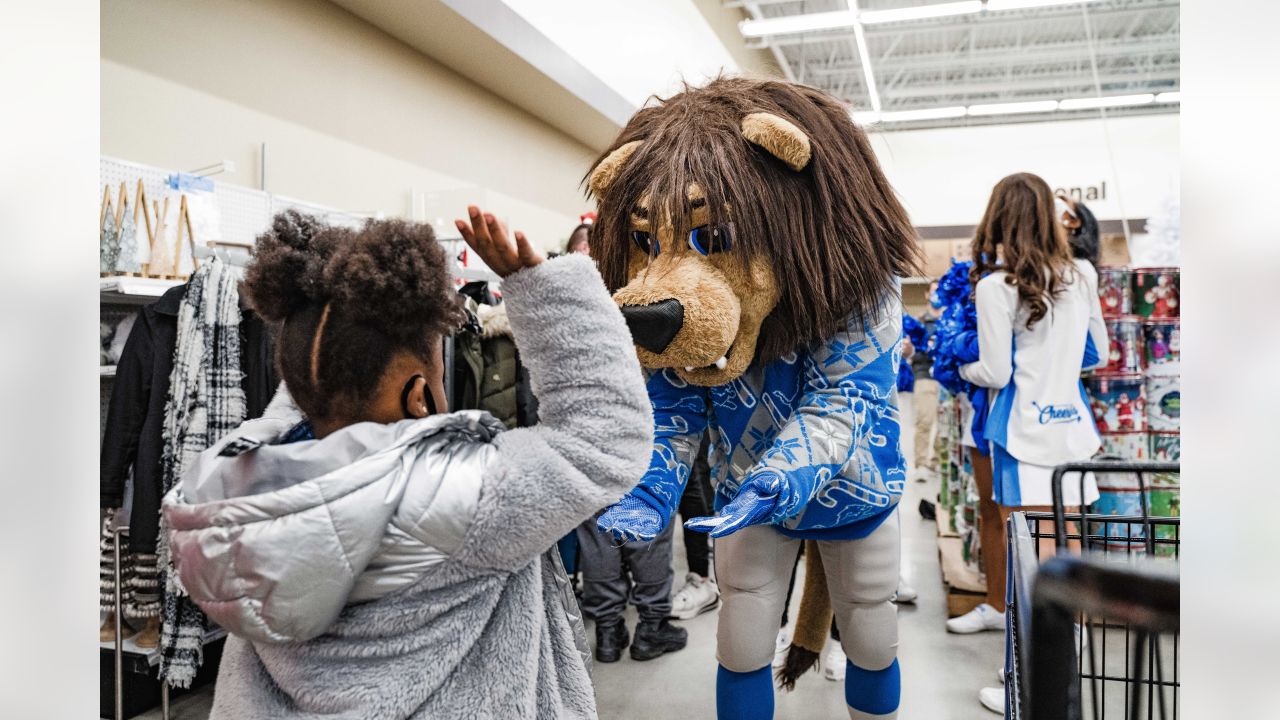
(834, 232)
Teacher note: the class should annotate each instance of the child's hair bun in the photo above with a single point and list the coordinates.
(287, 272)
(392, 275)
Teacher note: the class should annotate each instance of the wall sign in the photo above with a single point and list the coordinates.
(1086, 193)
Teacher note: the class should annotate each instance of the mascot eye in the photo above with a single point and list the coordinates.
(645, 241)
(711, 239)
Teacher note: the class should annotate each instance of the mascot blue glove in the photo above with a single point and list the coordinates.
(632, 520)
(755, 503)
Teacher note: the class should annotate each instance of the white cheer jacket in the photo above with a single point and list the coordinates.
(1040, 414)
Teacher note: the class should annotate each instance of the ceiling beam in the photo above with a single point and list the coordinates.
(1051, 17)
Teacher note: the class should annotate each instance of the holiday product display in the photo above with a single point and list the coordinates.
(1136, 400)
(1121, 501)
(958, 490)
(1164, 400)
(1118, 402)
(1162, 342)
(794, 456)
(1124, 445)
(126, 233)
(1125, 354)
(1156, 292)
(1115, 291)
(1165, 446)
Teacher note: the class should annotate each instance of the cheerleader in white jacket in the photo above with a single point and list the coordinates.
(1036, 315)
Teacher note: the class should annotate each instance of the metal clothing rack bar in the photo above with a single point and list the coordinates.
(118, 575)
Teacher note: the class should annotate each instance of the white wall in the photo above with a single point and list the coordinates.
(945, 176)
(353, 118)
(638, 48)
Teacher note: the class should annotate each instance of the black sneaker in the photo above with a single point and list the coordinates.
(656, 637)
(611, 640)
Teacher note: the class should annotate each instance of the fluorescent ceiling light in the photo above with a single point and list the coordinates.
(1014, 108)
(1106, 102)
(840, 19)
(920, 12)
(864, 58)
(939, 113)
(1033, 106)
(790, 24)
(1023, 4)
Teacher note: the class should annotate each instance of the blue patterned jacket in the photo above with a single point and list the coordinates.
(823, 423)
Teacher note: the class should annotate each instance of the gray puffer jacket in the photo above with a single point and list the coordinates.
(401, 571)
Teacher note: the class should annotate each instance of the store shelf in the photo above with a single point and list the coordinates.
(133, 290)
(107, 371)
(152, 655)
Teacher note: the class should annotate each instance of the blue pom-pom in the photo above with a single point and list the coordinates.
(954, 340)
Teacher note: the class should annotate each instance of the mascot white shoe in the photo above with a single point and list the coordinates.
(755, 247)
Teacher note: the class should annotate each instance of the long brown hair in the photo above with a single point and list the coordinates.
(834, 232)
(1020, 224)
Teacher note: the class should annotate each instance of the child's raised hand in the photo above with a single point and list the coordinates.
(488, 237)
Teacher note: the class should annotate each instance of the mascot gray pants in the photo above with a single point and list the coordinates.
(753, 569)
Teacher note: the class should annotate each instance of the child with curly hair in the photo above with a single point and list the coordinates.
(373, 555)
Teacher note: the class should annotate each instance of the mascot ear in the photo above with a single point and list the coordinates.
(780, 137)
(607, 171)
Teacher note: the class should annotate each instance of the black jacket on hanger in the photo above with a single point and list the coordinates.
(133, 437)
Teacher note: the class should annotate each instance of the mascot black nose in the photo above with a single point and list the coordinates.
(654, 326)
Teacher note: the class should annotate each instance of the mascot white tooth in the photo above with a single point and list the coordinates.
(755, 247)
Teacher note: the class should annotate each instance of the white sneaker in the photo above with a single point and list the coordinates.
(992, 698)
(698, 595)
(925, 474)
(833, 660)
(1000, 674)
(781, 646)
(982, 618)
(905, 594)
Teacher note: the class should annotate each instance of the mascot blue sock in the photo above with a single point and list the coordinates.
(744, 695)
(873, 693)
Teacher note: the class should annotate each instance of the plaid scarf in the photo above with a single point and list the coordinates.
(206, 401)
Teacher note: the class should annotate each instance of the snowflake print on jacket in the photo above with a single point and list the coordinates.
(815, 426)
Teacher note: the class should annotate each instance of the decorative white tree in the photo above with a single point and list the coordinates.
(1161, 246)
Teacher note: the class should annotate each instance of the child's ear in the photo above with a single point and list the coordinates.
(415, 404)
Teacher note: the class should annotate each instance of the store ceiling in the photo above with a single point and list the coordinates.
(1036, 54)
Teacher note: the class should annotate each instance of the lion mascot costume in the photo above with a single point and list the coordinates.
(755, 248)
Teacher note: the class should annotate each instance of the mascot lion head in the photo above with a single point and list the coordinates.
(741, 221)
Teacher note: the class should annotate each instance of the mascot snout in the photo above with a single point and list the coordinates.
(653, 327)
(684, 314)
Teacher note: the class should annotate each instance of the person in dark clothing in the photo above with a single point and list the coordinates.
(638, 572)
(1082, 228)
(700, 593)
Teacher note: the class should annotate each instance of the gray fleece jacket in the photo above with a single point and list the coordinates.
(402, 571)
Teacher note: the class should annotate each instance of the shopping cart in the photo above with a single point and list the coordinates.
(1095, 634)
